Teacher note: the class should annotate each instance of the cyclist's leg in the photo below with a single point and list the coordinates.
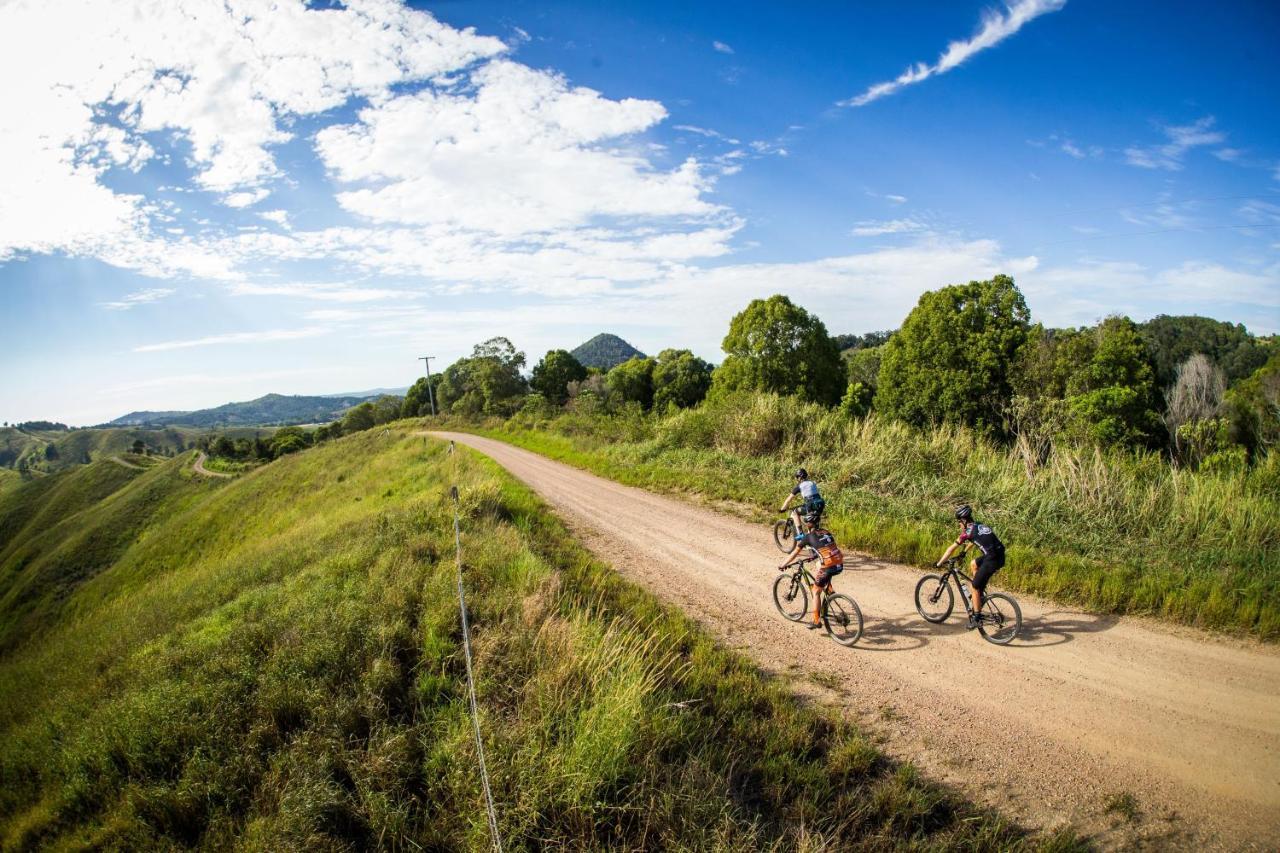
(983, 569)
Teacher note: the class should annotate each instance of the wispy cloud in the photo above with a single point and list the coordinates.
(721, 47)
(236, 338)
(873, 228)
(1182, 138)
(139, 297)
(995, 28)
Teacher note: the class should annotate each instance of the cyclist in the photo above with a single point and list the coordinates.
(986, 564)
(821, 545)
(811, 503)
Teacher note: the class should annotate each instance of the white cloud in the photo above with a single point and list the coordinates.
(279, 217)
(523, 152)
(245, 197)
(995, 28)
(85, 84)
(1182, 138)
(1164, 215)
(1228, 155)
(323, 292)
(235, 338)
(139, 297)
(1073, 150)
(876, 228)
(896, 199)
(721, 47)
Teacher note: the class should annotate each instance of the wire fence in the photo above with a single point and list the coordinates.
(471, 681)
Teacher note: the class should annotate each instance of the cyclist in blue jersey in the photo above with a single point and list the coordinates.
(811, 502)
(989, 560)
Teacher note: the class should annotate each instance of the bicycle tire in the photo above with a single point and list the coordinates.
(791, 597)
(1001, 619)
(933, 587)
(842, 618)
(784, 535)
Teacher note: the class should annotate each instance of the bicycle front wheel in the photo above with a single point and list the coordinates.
(784, 535)
(842, 619)
(1001, 619)
(934, 598)
(791, 596)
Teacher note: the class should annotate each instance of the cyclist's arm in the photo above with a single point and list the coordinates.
(787, 502)
(794, 556)
(950, 550)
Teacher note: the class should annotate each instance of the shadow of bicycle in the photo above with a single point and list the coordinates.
(1060, 626)
(894, 634)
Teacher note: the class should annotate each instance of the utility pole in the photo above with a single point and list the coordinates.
(431, 395)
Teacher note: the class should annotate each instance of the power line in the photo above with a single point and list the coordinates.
(471, 682)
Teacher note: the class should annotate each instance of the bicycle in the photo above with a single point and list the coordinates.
(841, 616)
(784, 530)
(1000, 619)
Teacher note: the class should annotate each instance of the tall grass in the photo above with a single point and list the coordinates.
(1118, 532)
(275, 664)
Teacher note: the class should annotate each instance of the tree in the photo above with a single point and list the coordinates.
(552, 375)
(50, 452)
(139, 446)
(1173, 340)
(951, 360)
(417, 400)
(778, 347)
(386, 409)
(847, 343)
(1253, 407)
(680, 379)
(1113, 398)
(1196, 395)
(358, 418)
(863, 365)
(489, 381)
(632, 381)
(224, 447)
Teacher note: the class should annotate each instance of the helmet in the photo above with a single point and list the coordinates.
(811, 518)
(964, 513)
(802, 474)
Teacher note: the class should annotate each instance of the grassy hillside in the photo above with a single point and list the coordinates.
(273, 662)
(1115, 532)
(73, 447)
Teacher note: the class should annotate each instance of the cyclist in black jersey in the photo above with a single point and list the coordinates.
(989, 560)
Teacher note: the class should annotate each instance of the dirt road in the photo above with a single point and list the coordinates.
(1052, 729)
(199, 468)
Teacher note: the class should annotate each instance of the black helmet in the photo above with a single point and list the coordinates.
(964, 513)
(802, 474)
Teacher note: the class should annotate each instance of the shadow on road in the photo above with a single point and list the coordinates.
(1058, 627)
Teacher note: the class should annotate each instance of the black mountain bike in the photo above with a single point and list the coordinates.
(1000, 619)
(784, 534)
(840, 614)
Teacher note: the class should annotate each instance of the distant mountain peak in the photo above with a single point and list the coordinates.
(605, 351)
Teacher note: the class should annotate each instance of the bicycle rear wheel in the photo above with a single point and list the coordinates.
(1001, 618)
(934, 598)
(842, 618)
(784, 535)
(791, 596)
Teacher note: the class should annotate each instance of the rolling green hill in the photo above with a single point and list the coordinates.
(604, 351)
(272, 409)
(31, 448)
(274, 662)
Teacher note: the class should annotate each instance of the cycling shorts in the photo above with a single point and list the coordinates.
(988, 564)
(824, 575)
(817, 505)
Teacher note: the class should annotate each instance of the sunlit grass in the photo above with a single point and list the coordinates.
(274, 662)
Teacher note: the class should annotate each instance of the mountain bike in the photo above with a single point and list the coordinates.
(1000, 619)
(840, 614)
(784, 534)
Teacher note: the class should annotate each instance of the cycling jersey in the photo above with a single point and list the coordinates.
(807, 490)
(982, 536)
(824, 547)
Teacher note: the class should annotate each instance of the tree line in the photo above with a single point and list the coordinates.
(1202, 389)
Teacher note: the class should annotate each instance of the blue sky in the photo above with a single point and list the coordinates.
(200, 205)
